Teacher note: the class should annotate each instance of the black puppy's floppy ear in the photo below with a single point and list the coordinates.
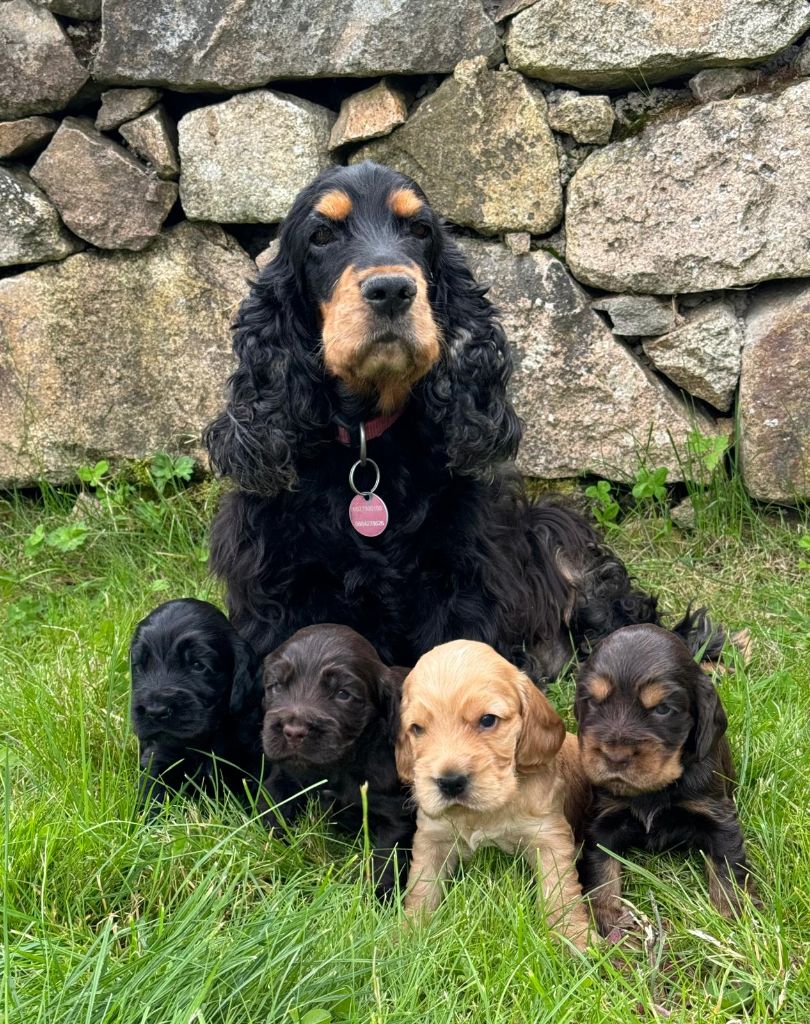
(246, 688)
(710, 718)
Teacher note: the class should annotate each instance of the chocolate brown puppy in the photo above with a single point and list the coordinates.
(652, 742)
(331, 717)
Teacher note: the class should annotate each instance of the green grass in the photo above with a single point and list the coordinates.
(202, 917)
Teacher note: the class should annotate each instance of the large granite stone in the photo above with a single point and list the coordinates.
(632, 42)
(30, 229)
(774, 385)
(481, 148)
(126, 356)
(702, 356)
(39, 71)
(20, 137)
(240, 45)
(102, 193)
(588, 404)
(245, 160)
(714, 200)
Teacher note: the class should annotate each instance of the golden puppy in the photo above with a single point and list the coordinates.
(490, 764)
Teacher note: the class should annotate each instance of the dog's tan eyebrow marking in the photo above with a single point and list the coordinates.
(404, 203)
(600, 688)
(336, 205)
(651, 694)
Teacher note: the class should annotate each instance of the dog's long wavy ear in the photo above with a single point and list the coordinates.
(402, 748)
(246, 688)
(466, 391)
(543, 730)
(274, 403)
(710, 717)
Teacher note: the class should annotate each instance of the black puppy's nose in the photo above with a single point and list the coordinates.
(295, 731)
(388, 294)
(157, 709)
(452, 785)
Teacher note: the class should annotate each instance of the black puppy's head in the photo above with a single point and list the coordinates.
(190, 668)
(644, 709)
(322, 689)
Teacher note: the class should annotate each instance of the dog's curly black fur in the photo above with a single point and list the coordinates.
(465, 554)
(331, 717)
(196, 701)
(653, 745)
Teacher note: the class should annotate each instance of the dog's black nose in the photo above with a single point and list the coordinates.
(157, 709)
(388, 294)
(295, 731)
(452, 785)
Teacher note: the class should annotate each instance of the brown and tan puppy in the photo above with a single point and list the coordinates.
(652, 739)
(490, 764)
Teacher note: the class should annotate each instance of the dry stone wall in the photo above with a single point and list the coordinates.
(632, 180)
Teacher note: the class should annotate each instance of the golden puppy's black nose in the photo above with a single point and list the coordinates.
(389, 294)
(452, 785)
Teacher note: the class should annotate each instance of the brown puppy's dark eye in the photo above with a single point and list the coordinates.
(488, 721)
(197, 666)
(342, 695)
(420, 230)
(417, 730)
(662, 710)
(323, 236)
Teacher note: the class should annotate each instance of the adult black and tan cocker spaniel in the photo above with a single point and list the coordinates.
(370, 317)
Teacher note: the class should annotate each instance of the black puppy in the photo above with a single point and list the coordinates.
(331, 713)
(196, 696)
(651, 734)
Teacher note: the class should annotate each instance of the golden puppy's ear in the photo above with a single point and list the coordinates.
(543, 730)
(404, 757)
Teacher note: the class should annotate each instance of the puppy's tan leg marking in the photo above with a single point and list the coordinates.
(605, 897)
(434, 860)
(553, 855)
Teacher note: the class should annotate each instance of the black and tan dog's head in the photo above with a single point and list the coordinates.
(190, 671)
(644, 709)
(323, 689)
(369, 243)
(369, 304)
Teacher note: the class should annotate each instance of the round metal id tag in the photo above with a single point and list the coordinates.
(367, 511)
(368, 514)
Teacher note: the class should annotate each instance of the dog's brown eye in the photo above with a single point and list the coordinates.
(342, 695)
(417, 730)
(323, 236)
(420, 230)
(197, 666)
(487, 721)
(662, 709)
